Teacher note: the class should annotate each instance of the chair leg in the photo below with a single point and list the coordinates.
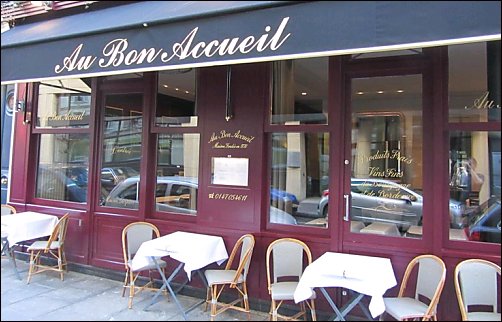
(246, 300)
(312, 310)
(208, 292)
(273, 311)
(125, 283)
(32, 264)
(131, 289)
(303, 310)
(60, 264)
(63, 257)
(214, 299)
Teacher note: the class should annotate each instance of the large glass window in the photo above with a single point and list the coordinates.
(63, 167)
(299, 157)
(177, 173)
(176, 98)
(474, 151)
(300, 91)
(178, 142)
(63, 157)
(122, 138)
(64, 103)
(299, 179)
(474, 82)
(474, 166)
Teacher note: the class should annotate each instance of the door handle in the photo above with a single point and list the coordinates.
(347, 201)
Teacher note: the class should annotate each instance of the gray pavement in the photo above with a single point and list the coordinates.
(83, 297)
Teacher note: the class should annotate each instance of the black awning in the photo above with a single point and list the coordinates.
(152, 35)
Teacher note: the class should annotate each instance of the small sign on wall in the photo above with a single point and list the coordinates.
(230, 171)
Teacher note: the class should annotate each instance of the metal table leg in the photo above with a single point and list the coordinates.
(340, 316)
(9, 252)
(342, 313)
(166, 283)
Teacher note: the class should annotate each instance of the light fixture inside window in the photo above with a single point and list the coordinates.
(380, 92)
(304, 93)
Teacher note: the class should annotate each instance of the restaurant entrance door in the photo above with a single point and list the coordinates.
(383, 162)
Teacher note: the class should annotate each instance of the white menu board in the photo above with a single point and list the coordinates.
(230, 171)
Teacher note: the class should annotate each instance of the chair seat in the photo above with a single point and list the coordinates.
(483, 316)
(221, 276)
(161, 263)
(285, 291)
(404, 307)
(42, 244)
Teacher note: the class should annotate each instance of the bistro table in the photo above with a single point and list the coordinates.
(193, 252)
(24, 226)
(364, 275)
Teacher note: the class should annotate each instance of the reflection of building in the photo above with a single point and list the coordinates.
(298, 107)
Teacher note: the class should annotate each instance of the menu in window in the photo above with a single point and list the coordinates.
(230, 171)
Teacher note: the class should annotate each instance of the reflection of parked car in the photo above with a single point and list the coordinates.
(278, 216)
(62, 183)
(277, 194)
(378, 200)
(485, 222)
(111, 176)
(173, 194)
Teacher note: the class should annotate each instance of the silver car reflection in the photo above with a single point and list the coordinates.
(173, 194)
(378, 200)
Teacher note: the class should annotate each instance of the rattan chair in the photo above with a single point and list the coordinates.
(431, 276)
(54, 248)
(476, 285)
(285, 260)
(8, 210)
(234, 276)
(133, 235)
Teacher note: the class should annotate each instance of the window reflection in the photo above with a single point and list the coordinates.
(300, 91)
(62, 172)
(176, 98)
(474, 82)
(474, 166)
(177, 173)
(386, 179)
(64, 103)
(299, 178)
(120, 167)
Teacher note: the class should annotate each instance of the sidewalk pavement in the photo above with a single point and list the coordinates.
(82, 297)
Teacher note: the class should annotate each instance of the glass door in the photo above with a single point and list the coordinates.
(383, 189)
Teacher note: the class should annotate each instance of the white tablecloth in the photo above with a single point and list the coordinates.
(27, 225)
(194, 250)
(368, 275)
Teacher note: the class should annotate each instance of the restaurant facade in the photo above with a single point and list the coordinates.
(367, 127)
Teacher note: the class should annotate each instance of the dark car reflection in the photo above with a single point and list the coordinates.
(485, 222)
